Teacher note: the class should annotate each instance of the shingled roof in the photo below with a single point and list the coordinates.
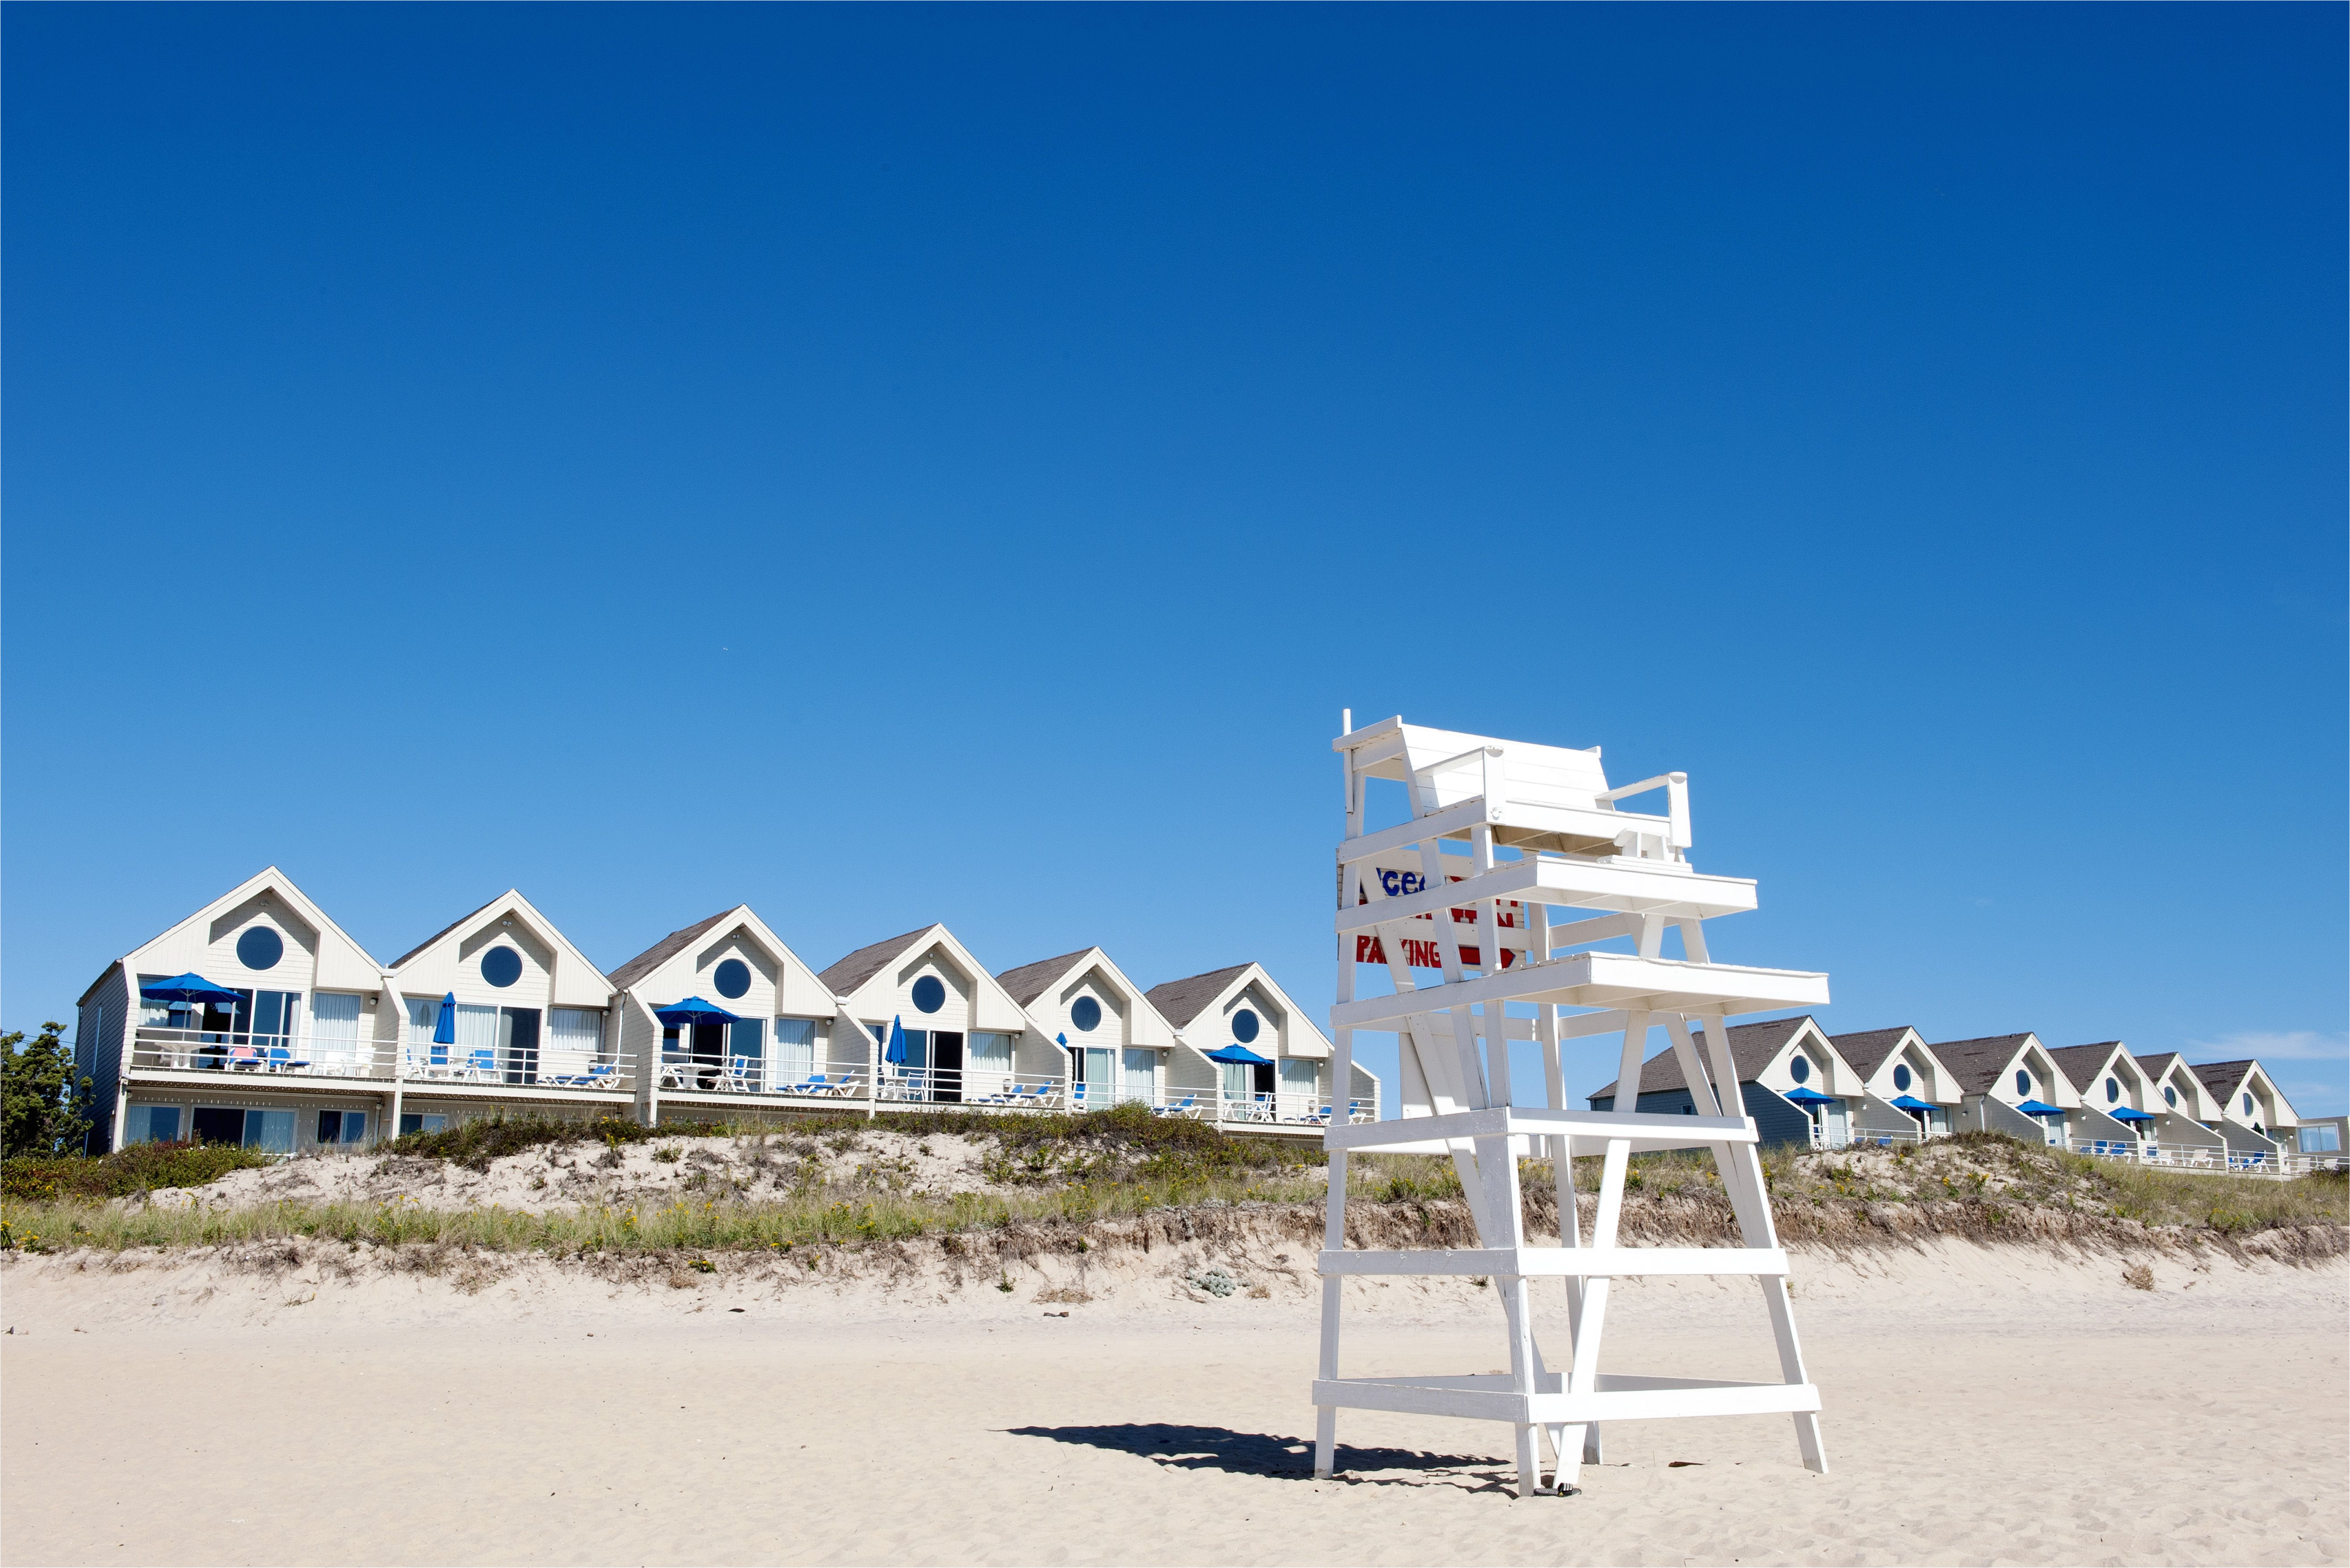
(2222, 1077)
(1867, 1050)
(441, 932)
(1977, 1063)
(1027, 982)
(1751, 1048)
(1180, 1001)
(661, 951)
(2081, 1063)
(846, 974)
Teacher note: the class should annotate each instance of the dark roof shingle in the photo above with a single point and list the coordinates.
(2080, 1063)
(2222, 1077)
(1180, 1001)
(1027, 982)
(1867, 1050)
(661, 951)
(846, 974)
(1977, 1063)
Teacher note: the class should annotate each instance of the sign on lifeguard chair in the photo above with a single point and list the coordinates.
(1502, 836)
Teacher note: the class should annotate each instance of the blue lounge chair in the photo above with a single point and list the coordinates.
(1182, 1107)
(282, 1060)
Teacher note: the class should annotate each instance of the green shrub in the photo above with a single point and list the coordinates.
(141, 1167)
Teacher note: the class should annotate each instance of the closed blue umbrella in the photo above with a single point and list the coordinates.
(896, 1055)
(444, 1031)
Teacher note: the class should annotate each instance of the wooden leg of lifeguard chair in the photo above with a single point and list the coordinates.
(1741, 1177)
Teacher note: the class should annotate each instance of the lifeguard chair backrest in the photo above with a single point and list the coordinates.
(1531, 774)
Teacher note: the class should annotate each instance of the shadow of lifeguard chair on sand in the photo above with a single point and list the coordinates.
(1552, 867)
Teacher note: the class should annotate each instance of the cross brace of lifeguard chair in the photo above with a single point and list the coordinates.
(1627, 875)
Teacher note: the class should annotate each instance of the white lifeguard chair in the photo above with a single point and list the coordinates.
(1485, 920)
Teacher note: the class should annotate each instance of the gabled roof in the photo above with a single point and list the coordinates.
(661, 951)
(1180, 1001)
(1867, 1050)
(443, 931)
(2159, 1062)
(1752, 1047)
(2082, 1064)
(2223, 1077)
(268, 877)
(1977, 1063)
(512, 898)
(846, 974)
(1031, 981)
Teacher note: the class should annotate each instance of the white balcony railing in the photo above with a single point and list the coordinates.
(904, 1088)
(262, 1057)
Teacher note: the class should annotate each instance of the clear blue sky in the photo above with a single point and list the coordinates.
(893, 465)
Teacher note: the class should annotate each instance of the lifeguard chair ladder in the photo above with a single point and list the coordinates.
(1405, 904)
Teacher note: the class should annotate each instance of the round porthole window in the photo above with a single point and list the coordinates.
(2023, 1082)
(2113, 1090)
(1245, 1025)
(1086, 1013)
(260, 948)
(1901, 1077)
(930, 993)
(1799, 1069)
(502, 966)
(2169, 1096)
(732, 978)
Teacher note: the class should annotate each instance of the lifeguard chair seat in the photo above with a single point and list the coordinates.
(1553, 798)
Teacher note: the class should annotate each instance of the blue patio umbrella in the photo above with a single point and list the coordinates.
(1912, 1103)
(1239, 1053)
(2127, 1114)
(693, 1010)
(896, 1055)
(189, 987)
(1810, 1098)
(444, 1031)
(2040, 1108)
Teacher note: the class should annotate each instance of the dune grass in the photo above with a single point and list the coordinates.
(1068, 1172)
(814, 1218)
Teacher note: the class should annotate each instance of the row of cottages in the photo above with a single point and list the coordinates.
(258, 1020)
(1803, 1086)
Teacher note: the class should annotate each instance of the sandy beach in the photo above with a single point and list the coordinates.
(1984, 1404)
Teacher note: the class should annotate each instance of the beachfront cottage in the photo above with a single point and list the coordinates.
(501, 1010)
(2011, 1085)
(256, 1020)
(1121, 1048)
(2181, 1093)
(1274, 1065)
(2119, 1108)
(1791, 1079)
(2254, 1116)
(945, 1031)
(746, 1016)
(1905, 1086)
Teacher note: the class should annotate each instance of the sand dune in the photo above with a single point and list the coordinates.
(1984, 1404)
